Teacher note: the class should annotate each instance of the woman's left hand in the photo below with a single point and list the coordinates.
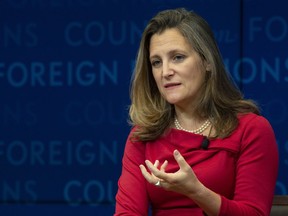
(183, 181)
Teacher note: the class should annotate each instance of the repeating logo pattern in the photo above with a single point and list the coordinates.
(65, 70)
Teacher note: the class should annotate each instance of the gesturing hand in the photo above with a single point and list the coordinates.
(183, 181)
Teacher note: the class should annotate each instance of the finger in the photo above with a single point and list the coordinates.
(156, 163)
(146, 174)
(151, 166)
(143, 169)
(155, 171)
(164, 165)
(180, 160)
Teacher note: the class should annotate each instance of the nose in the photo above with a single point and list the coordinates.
(167, 70)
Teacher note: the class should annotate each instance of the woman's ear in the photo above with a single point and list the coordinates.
(208, 67)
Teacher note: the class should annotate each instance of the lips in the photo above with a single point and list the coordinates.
(170, 85)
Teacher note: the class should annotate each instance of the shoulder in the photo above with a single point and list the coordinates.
(134, 146)
(253, 129)
(253, 121)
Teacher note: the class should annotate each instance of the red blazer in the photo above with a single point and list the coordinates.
(242, 168)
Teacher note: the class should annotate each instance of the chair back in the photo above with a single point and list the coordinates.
(280, 206)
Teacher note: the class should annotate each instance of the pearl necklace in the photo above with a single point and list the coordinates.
(197, 131)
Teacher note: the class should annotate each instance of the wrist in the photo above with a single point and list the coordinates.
(199, 191)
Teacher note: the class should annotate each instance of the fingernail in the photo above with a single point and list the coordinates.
(176, 152)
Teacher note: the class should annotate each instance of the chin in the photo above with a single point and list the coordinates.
(173, 99)
(173, 102)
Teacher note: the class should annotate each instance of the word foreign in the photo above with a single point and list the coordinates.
(59, 73)
(58, 153)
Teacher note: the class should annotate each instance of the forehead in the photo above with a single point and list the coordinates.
(168, 39)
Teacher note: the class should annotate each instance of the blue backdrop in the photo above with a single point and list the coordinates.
(65, 69)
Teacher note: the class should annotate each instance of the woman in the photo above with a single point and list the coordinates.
(197, 147)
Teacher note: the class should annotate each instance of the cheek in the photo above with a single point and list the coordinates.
(157, 79)
(199, 74)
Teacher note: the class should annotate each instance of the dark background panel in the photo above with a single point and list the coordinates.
(265, 70)
(65, 68)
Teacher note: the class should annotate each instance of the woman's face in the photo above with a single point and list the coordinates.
(177, 68)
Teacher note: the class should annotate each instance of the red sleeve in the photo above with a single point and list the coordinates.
(256, 172)
(132, 198)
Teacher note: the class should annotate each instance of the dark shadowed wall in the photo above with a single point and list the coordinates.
(65, 69)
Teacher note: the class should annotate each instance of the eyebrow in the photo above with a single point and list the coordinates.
(171, 52)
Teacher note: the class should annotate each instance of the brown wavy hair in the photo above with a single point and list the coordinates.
(221, 101)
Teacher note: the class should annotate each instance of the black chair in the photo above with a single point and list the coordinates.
(280, 206)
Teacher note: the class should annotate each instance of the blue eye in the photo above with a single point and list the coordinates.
(178, 58)
(155, 63)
